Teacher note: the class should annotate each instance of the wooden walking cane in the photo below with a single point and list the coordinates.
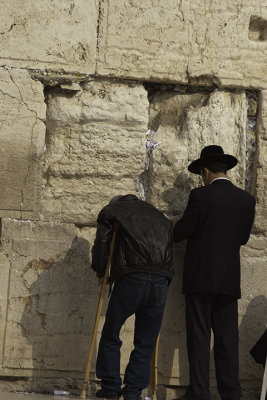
(97, 318)
(154, 371)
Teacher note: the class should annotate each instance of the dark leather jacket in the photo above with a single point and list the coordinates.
(143, 242)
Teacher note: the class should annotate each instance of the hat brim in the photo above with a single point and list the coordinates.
(229, 160)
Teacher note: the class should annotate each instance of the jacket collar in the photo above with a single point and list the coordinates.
(220, 178)
(128, 197)
(221, 181)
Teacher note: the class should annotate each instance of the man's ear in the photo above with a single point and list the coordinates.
(205, 171)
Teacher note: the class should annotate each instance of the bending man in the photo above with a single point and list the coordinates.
(217, 221)
(142, 269)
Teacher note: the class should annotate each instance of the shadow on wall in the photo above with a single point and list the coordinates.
(59, 316)
(176, 198)
(172, 360)
(172, 357)
(252, 327)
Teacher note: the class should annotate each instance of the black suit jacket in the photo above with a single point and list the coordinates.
(217, 221)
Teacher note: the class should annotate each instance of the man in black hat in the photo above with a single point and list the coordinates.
(217, 221)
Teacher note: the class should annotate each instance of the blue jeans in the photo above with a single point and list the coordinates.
(145, 296)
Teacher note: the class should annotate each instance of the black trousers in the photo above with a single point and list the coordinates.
(219, 313)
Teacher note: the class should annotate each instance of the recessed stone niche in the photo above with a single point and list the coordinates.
(96, 147)
(186, 120)
(257, 29)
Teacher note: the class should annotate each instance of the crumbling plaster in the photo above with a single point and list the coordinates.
(95, 140)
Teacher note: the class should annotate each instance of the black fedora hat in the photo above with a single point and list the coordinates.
(211, 154)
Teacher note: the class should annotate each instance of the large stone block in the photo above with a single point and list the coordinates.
(4, 284)
(260, 170)
(185, 123)
(52, 296)
(187, 42)
(56, 36)
(22, 132)
(252, 306)
(95, 148)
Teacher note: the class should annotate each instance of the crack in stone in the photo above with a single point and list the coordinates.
(21, 98)
(9, 30)
(99, 20)
(35, 123)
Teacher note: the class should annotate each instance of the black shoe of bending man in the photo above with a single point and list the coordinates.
(187, 397)
(105, 394)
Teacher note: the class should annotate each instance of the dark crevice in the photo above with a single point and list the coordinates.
(98, 35)
(47, 89)
(13, 378)
(83, 226)
(45, 171)
(153, 88)
(251, 140)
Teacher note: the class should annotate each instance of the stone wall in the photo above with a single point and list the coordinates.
(80, 84)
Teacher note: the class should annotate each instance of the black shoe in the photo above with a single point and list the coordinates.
(186, 397)
(138, 398)
(105, 394)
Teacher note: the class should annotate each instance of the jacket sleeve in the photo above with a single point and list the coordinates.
(189, 221)
(250, 217)
(101, 247)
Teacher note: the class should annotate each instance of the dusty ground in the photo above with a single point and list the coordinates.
(32, 396)
(246, 395)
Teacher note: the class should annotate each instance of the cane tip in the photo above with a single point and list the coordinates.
(83, 394)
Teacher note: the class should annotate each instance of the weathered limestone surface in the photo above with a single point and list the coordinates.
(52, 297)
(22, 134)
(172, 358)
(72, 142)
(51, 35)
(185, 123)
(253, 305)
(4, 284)
(95, 148)
(185, 42)
(49, 298)
(260, 175)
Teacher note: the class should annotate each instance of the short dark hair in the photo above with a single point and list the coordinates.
(115, 199)
(216, 167)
